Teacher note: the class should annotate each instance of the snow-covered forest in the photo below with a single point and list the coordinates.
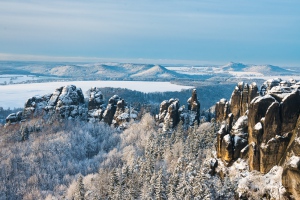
(45, 158)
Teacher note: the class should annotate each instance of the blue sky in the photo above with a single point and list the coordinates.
(203, 31)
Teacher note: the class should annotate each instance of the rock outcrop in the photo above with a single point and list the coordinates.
(240, 99)
(170, 112)
(14, 117)
(194, 108)
(68, 103)
(96, 104)
(262, 126)
(65, 101)
(233, 136)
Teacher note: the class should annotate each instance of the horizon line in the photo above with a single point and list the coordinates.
(166, 61)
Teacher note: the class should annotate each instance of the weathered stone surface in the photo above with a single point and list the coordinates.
(96, 106)
(291, 176)
(235, 102)
(254, 156)
(54, 98)
(221, 133)
(257, 110)
(239, 143)
(244, 100)
(271, 120)
(241, 97)
(253, 91)
(95, 98)
(169, 113)
(68, 103)
(194, 107)
(111, 108)
(227, 148)
(290, 109)
(14, 117)
(172, 116)
(272, 152)
(163, 109)
(244, 152)
(272, 123)
(222, 110)
(239, 135)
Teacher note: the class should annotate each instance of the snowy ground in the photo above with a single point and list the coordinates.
(13, 78)
(238, 74)
(15, 95)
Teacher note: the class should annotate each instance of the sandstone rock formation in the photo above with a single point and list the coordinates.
(14, 117)
(117, 113)
(68, 103)
(96, 104)
(262, 125)
(194, 108)
(240, 99)
(170, 112)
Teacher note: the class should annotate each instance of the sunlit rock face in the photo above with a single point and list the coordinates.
(264, 126)
(233, 114)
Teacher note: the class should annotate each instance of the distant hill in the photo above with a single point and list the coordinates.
(234, 67)
(263, 69)
(91, 71)
(156, 71)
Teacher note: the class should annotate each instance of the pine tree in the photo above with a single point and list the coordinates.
(172, 184)
(79, 192)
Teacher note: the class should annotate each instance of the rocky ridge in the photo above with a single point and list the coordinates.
(263, 127)
(68, 103)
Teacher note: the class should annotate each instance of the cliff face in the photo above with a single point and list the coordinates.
(264, 128)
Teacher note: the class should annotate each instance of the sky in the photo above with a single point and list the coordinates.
(203, 31)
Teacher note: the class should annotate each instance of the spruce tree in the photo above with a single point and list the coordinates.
(79, 192)
(160, 186)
